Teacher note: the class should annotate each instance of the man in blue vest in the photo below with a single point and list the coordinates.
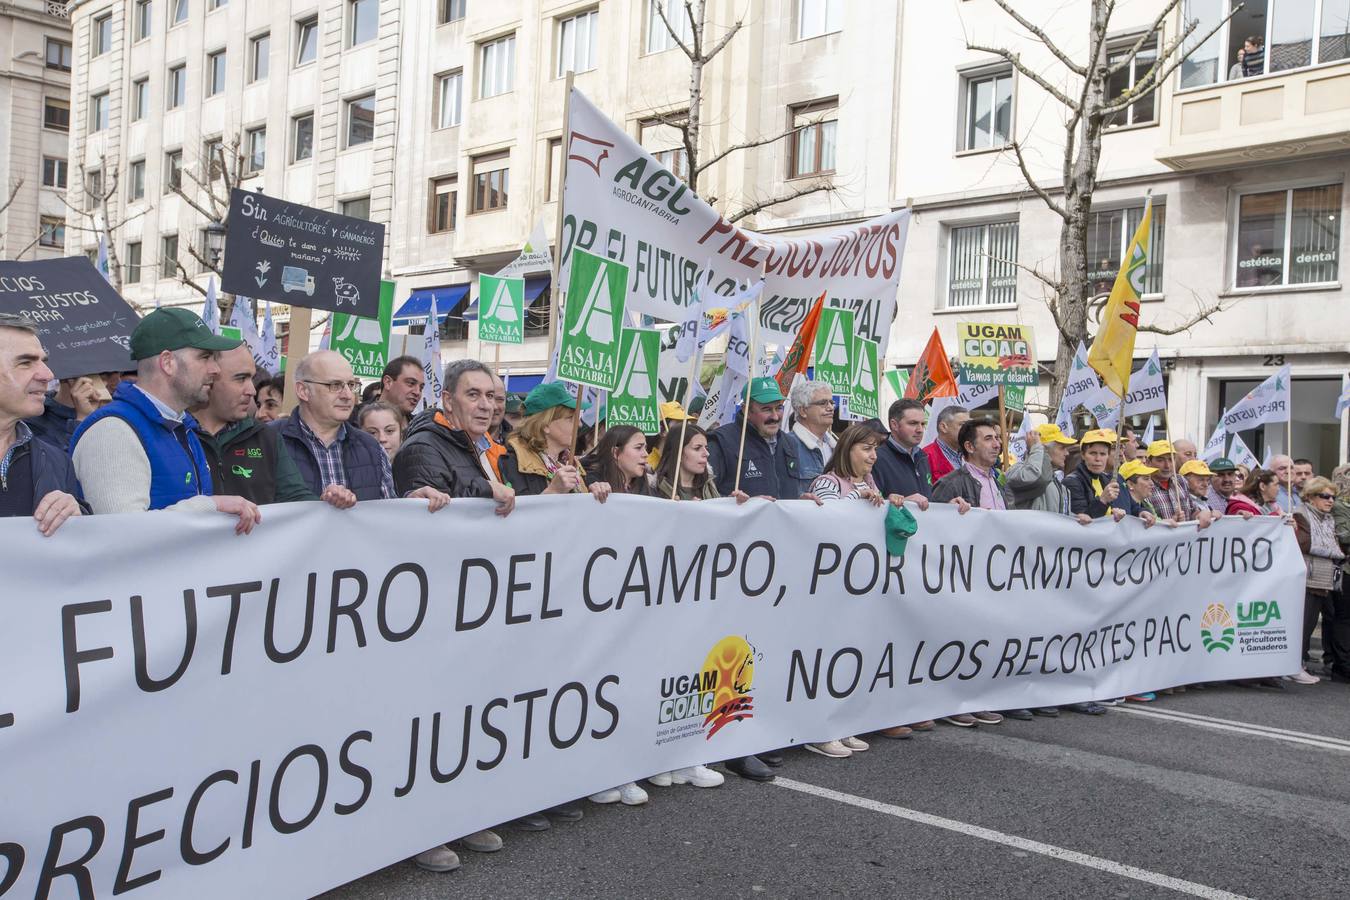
(140, 452)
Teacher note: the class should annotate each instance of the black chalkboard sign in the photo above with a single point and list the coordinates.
(84, 324)
(302, 256)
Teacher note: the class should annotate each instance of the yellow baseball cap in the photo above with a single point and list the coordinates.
(1135, 467)
(672, 409)
(1053, 434)
(1160, 448)
(1196, 467)
(1099, 436)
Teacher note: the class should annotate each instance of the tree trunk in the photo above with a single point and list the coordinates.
(694, 117)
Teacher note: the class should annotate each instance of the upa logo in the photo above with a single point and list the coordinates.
(1257, 614)
(1217, 631)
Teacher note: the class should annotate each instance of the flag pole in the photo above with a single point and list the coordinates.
(555, 298)
(1003, 428)
(745, 410)
(688, 395)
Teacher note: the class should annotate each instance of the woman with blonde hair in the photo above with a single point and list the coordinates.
(539, 457)
(1323, 556)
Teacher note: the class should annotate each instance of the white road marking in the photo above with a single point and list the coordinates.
(1248, 728)
(987, 834)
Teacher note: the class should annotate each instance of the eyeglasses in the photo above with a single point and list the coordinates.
(1325, 496)
(337, 386)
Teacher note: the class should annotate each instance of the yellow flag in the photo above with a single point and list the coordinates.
(1112, 352)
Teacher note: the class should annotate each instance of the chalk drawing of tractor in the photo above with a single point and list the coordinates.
(294, 278)
(345, 291)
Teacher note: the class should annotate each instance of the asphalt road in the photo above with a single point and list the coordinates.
(1147, 801)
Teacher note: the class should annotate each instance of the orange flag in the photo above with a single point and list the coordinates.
(799, 354)
(932, 375)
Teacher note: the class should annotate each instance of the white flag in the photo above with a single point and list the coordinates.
(1343, 401)
(1146, 393)
(1104, 406)
(431, 359)
(1241, 455)
(248, 328)
(738, 350)
(1214, 446)
(1269, 401)
(1019, 440)
(533, 257)
(969, 397)
(1270, 452)
(211, 309)
(1148, 431)
(1082, 378)
(103, 266)
(271, 352)
(1064, 417)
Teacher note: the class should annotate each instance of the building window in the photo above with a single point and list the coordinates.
(363, 21)
(1288, 237)
(177, 87)
(212, 5)
(452, 10)
(1142, 110)
(213, 158)
(663, 139)
(142, 23)
(306, 41)
(173, 171)
(1109, 234)
(178, 12)
(55, 114)
(302, 137)
(255, 148)
(98, 112)
(658, 35)
(448, 99)
(53, 233)
(491, 181)
(817, 17)
(136, 180)
(259, 57)
(1264, 36)
(93, 183)
(102, 34)
(140, 98)
(215, 73)
(361, 120)
(576, 43)
(982, 270)
(54, 172)
(357, 208)
(133, 262)
(497, 66)
(59, 55)
(811, 146)
(444, 193)
(553, 175)
(986, 111)
(168, 256)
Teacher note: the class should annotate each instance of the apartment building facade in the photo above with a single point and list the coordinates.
(35, 67)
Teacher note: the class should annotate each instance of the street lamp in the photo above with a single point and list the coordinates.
(215, 242)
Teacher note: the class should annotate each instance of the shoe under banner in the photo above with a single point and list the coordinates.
(191, 713)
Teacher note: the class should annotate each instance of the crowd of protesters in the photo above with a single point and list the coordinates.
(192, 425)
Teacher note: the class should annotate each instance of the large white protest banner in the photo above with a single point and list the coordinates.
(189, 713)
(621, 203)
(1267, 402)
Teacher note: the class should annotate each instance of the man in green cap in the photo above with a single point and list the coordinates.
(140, 452)
(770, 464)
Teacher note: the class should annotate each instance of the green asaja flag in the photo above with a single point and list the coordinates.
(365, 342)
(593, 321)
(501, 310)
(635, 400)
(898, 379)
(864, 398)
(1015, 397)
(835, 350)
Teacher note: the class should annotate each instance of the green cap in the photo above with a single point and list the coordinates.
(900, 527)
(765, 390)
(515, 402)
(547, 396)
(174, 328)
(1222, 464)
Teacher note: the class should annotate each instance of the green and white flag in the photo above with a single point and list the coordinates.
(898, 379)
(864, 398)
(835, 350)
(231, 332)
(593, 321)
(501, 304)
(1015, 398)
(365, 342)
(636, 399)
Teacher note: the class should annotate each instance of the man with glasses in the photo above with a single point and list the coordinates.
(813, 414)
(339, 463)
(140, 452)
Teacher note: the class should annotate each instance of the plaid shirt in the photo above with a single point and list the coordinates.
(329, 459)
(1174, 501)
(22, 435)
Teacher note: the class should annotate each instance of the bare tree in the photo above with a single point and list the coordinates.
(15, 186)
(701, 49)
(206, 189)
(96, 208)
(1082, 89)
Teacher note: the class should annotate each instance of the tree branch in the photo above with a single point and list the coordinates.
(1202, 314)
(13, 194)
(761, 205)
(185, 278)
(1016, 61)
(670, 29)
(1154, 77)
(746, 145)
(725, 39)
(1036, 188)
(1150, 32)
(1030, 270)
(1044, 38)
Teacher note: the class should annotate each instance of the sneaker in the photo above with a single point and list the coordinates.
(437, 859)
(1304, 677)
(662, 780)
(1022, 715)
(1146, 697)
(632, 795)
(832, 749)
(854, 744)
(698, 776)
(961, 720)
(925, 725)
(610, 796)
(484, 841)
(567, 812)
(986, 717)
(1049, 712)
(898, 733)
(533, 822)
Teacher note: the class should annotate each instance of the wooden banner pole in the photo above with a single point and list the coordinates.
(297, 348)
(745, 410)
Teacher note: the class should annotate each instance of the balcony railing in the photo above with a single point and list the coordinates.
(57, 8)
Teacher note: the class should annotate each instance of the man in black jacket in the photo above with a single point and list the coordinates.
(770, 463)
(447, 449)
(1093, 488)
(36, 479)
(901, 467)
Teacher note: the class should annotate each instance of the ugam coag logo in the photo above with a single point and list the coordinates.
(1218, 631)
(719, 691)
